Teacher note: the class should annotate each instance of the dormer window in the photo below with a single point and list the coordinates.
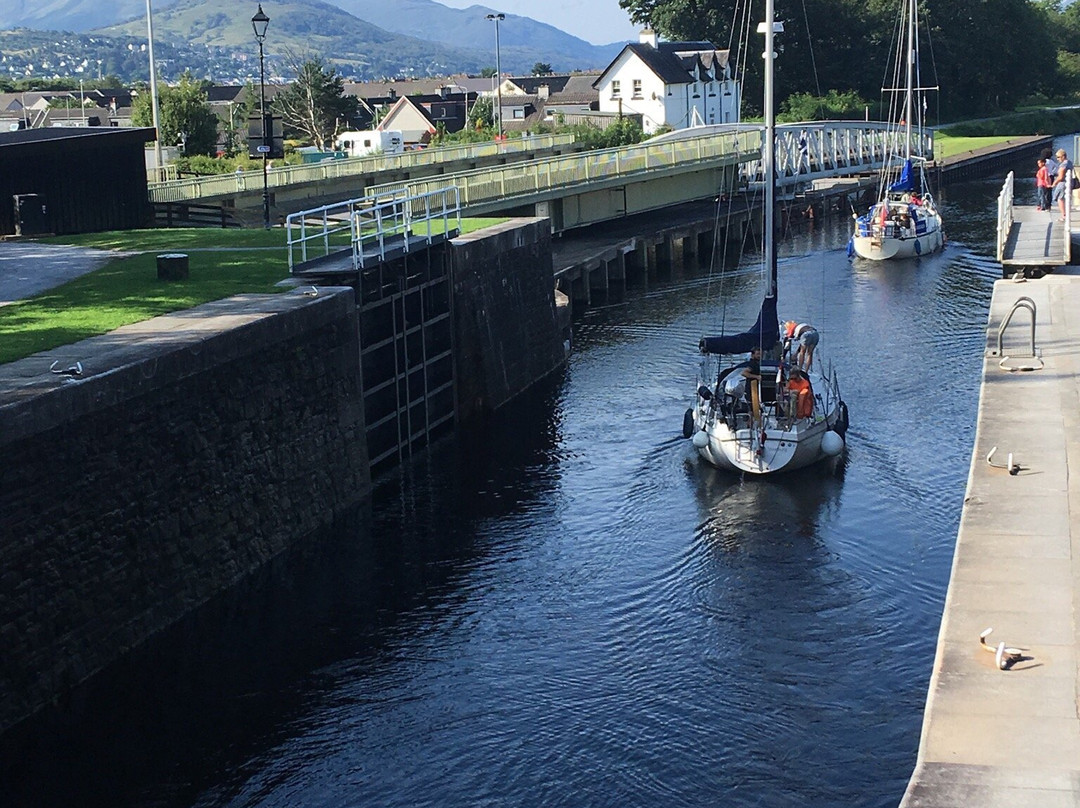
(616, 89)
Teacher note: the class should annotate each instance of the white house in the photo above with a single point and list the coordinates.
(675, 84)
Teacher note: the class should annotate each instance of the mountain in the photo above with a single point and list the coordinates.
(519, 37)
(362, 38)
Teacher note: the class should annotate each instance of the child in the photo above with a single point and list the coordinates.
(1042, 182)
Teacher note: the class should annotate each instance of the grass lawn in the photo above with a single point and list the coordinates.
(221, 263)
(949, 146)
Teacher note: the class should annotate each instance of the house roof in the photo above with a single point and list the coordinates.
(674, 62)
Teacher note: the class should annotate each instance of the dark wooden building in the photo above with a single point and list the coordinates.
(73, 180)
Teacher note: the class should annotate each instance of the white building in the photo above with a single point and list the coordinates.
(674, 84)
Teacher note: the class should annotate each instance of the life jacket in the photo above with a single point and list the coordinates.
(804, 406)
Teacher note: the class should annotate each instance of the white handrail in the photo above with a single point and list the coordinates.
(1005, 215)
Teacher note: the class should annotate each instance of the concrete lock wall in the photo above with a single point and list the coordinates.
(194, 448)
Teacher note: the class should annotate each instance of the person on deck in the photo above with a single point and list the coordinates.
(801, 397)
(806, 337)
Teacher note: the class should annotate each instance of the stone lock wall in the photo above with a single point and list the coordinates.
(192, 449)
(507, 332)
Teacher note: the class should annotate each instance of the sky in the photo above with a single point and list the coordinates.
(597, 21)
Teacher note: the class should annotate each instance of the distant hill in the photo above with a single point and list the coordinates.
(521, 39)
(363, 38)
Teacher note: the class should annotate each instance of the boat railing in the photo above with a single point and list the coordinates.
(1005, 216)
(1028, 305)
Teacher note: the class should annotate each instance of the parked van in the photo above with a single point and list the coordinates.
(370, 141)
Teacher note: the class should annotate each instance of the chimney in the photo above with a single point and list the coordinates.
(647, 37)
(543, 92)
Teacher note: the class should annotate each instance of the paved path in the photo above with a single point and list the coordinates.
(1011, 738)
(27, 268)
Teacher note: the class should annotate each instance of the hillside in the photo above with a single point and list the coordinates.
(363, 38)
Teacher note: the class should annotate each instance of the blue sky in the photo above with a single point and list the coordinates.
(596, 21)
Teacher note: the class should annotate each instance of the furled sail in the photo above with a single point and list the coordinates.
(765, 333)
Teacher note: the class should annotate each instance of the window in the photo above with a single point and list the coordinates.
(519, 113)
(616, 91)
(637, 88)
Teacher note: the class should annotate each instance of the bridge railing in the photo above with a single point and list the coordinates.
(241, 181)
(369, 227)
(1004, 215)
(533, 177)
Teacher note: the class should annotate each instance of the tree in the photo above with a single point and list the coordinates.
(313, 104)
(541, 69)
(481, 116)
(186, 117)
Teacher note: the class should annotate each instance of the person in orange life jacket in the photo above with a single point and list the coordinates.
(802, 397)
(806, 336)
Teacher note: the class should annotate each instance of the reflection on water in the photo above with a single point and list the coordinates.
(565, 607)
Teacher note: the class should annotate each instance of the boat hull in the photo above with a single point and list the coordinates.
(786, 446)
(883, 249)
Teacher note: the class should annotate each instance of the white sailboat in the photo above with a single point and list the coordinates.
(756, 425)
(905, 221)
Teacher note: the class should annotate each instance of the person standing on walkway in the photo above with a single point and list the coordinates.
(1061, 181)
(1043, 183)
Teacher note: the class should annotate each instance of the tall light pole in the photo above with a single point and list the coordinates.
(158, 167)
(259, 23)
(498, 70)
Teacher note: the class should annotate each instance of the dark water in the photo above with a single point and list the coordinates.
(567, 608)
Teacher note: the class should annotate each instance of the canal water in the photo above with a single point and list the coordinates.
(567, 608)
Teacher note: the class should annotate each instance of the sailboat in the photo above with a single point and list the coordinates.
(905, 221)
(757, 425)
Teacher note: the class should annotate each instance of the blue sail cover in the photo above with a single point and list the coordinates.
(765, 333)
(906, 181)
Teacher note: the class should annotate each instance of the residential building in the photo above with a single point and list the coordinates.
(670, 84)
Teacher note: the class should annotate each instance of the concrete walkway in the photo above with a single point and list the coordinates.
(28, 268)
(1011, 738)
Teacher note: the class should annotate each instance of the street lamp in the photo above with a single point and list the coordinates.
(498, 70)
(259, 23)
(158, 167)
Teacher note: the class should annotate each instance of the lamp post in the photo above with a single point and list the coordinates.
(156, 116)
(498, 71)
(259, 23)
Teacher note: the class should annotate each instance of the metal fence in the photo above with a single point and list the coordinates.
(369, 227)
(281, 176)
(532, 177)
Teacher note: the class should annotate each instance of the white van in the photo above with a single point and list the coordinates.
(370, 141)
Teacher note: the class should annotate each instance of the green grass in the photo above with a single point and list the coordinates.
(127, 291)
(221, 263)
(949, 146)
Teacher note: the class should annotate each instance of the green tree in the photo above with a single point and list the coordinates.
(541, 69)
(482, 114)
(186, 117)
(314, 104)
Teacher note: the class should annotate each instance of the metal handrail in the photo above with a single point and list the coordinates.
(1005, 215)
(1021, 303)
(281, 176)
(371, 222)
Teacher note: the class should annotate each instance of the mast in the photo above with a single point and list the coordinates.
(770, 28)
(909, 96)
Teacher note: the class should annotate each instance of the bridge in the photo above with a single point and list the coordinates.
(1032, 241)
(537, 176)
